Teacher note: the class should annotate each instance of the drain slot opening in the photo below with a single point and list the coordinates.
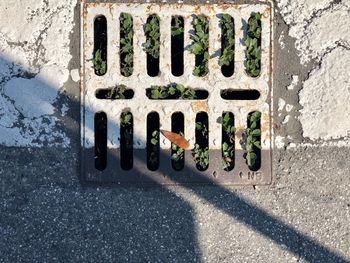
(201, 149)
(175, 92)
(231, 94)
(100, 123)
(228, 141)
(126, 45)
(153, 141)
(253, 45)
(126, 140)
(177, 46)
(200, 45)
(251, 141)
(119, 92)
(152, 45)
(226, 60)
(177, 153)
(100, 45)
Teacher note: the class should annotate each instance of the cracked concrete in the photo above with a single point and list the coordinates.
(34, 60)
(328, 86)
(46, 215)
(316, 28)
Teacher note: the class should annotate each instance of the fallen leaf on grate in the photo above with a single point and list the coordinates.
(176, 139)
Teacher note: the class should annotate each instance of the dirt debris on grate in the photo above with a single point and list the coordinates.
(141, 72)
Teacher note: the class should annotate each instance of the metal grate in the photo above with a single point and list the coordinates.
(95, 109)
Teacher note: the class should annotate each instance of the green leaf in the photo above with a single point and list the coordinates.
(196, 48)
(151, 29)
(100, 65)
(171, 90)
(197, 71)
(200, 44)
(249, 139)
(249, 147)
(155, 94)
(255, 116)
(256, 132)
(126, 46)
(176, 31)
(226, 118)
(227, 17)
(249, 159)
(126, 118)
(252, 42)
(257, 144)
(154, 141)
(199, 29)
(155, 133)
(253, 125)
(180, 88)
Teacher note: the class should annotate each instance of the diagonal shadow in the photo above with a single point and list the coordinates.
(259, 220)
(236, 207)
(245, 212)
(264, 223)
(156, 226)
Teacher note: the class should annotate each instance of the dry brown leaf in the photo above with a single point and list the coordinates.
(176, 139)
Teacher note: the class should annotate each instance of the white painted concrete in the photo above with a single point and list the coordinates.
(295, 81)
(325, 98)
(281, 104)
(279, 141)
(74, 73)
(321, 29)
(34, 37)
(306, 20)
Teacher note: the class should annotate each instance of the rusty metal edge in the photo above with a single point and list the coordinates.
(166, 175)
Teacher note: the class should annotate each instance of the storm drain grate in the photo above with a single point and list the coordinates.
(204, 72)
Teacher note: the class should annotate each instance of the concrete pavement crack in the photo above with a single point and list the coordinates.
(39, 48)
(338, 44)
(320, 12)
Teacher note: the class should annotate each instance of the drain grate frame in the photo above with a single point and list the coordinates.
(214, 82)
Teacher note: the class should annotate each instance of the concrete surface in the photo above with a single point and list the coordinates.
(48, 216)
